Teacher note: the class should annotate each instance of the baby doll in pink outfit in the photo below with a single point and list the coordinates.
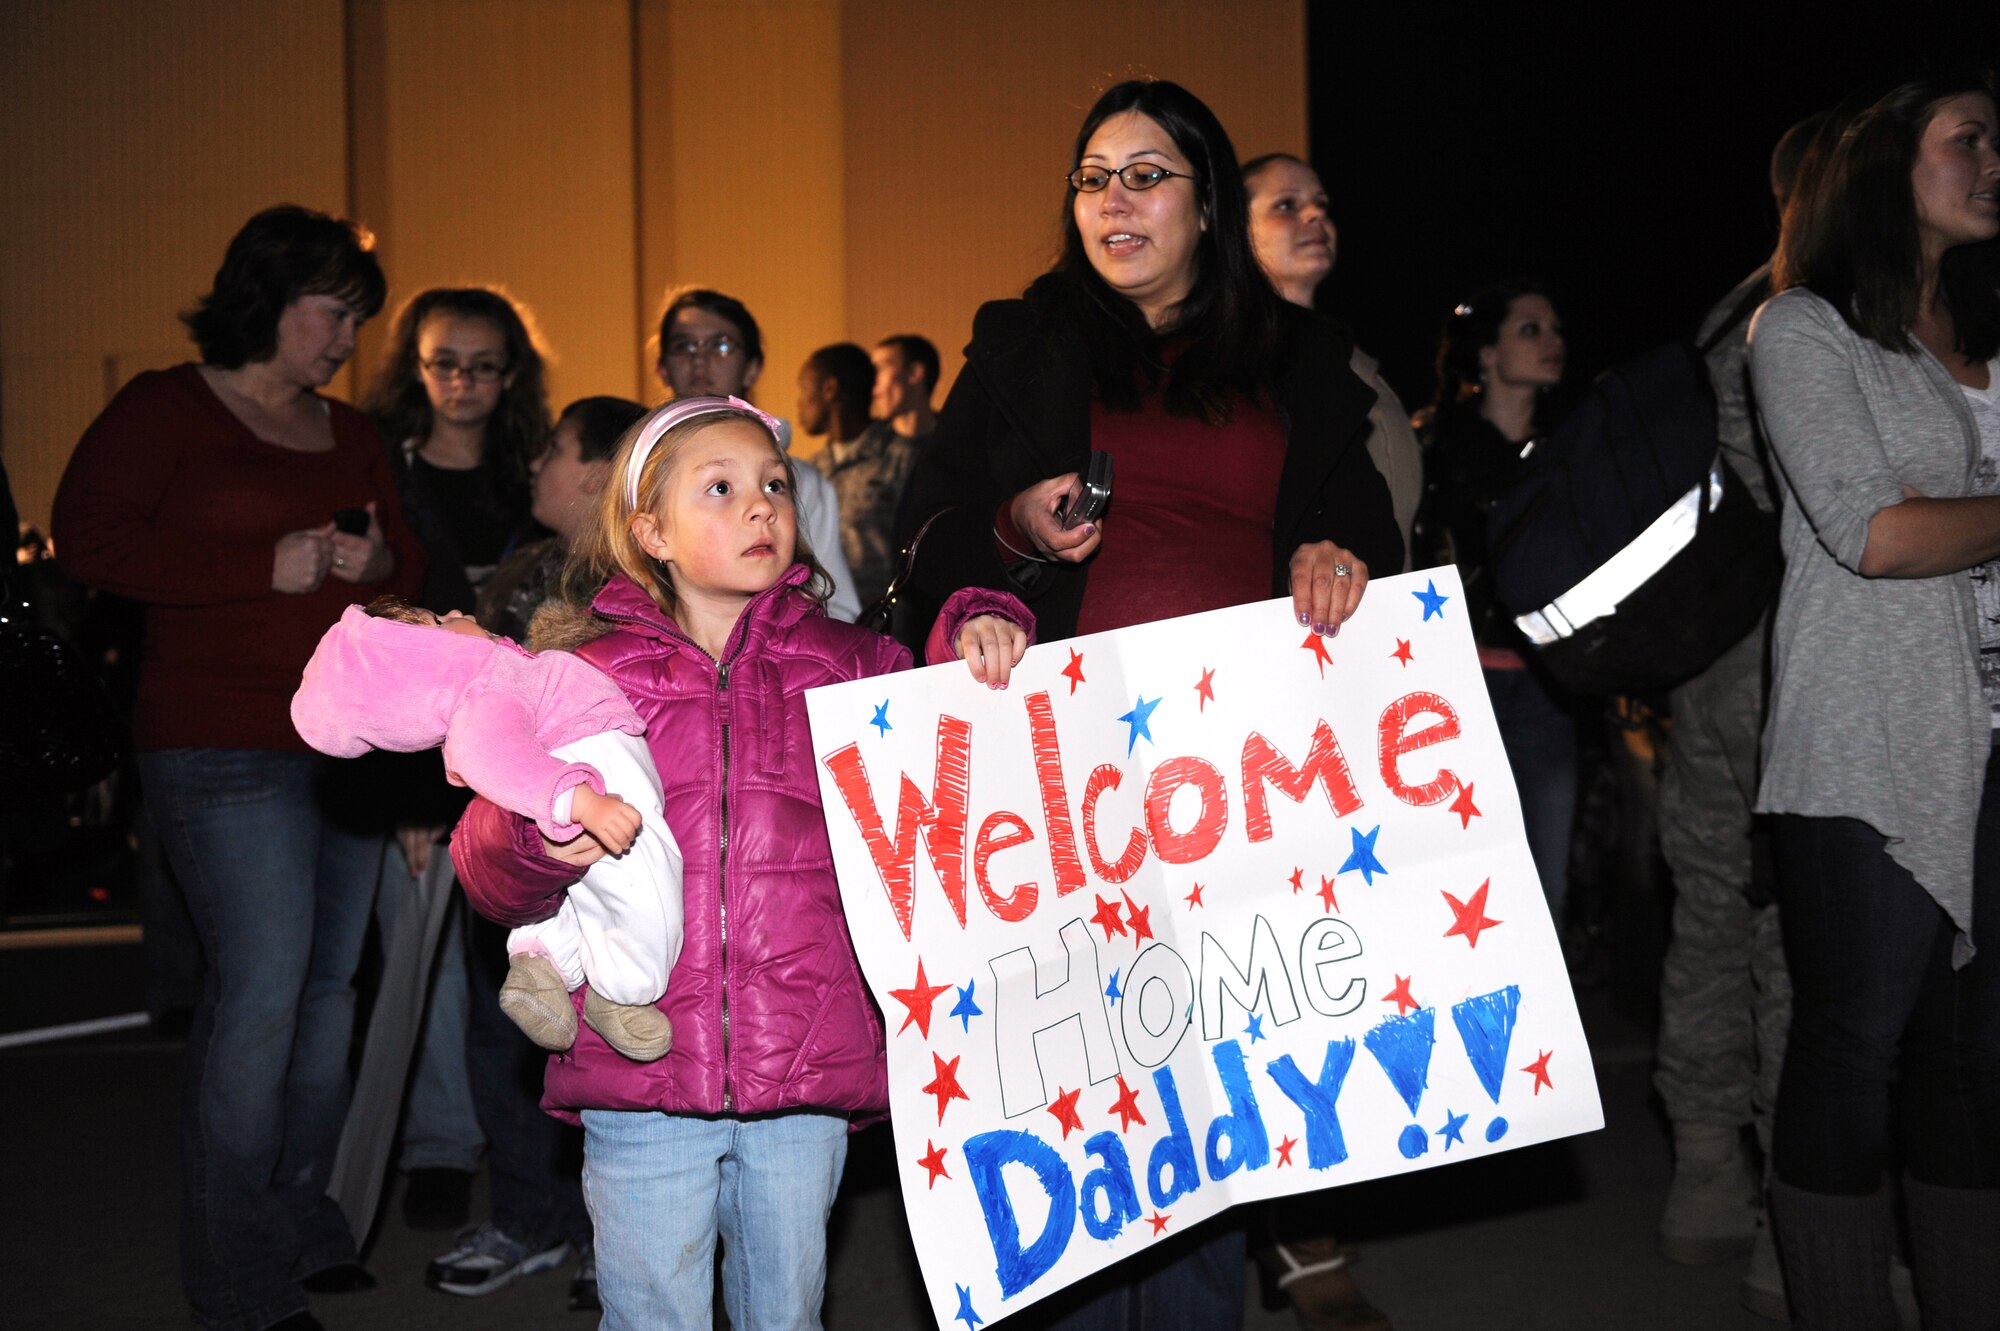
(546, 736)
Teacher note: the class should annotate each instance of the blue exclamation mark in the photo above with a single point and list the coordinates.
(1486, 1023)
(1402, 1045)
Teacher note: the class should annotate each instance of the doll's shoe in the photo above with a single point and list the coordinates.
(535, 999)
(639, 1031)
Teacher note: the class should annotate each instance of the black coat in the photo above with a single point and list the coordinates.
(1019, 413)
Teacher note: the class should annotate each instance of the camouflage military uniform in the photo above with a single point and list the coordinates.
(1725, 998)
(869, 474)
(518, 587)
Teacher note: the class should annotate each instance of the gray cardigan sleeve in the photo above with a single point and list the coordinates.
(1819, 422)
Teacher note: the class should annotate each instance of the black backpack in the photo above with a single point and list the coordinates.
(1638, 453)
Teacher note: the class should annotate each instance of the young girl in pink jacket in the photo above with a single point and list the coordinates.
(709, 620)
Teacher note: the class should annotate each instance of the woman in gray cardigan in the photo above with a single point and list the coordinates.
(1875, 373)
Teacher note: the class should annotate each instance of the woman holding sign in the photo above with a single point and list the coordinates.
(1242, 470)
(1238, 432)
(1877, 372)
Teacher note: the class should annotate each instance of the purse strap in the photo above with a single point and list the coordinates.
(878, 615)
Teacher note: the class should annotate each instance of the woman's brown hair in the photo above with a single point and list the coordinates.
(1850, 228)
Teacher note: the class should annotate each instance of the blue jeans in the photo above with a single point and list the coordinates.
(440, 1126)
(1870, 956)
(1540, 737)
(660, 1188)
(280, 898)
(532, 1159)
(1195, 1281)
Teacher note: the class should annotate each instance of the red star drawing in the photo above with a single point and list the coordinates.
(1325, 894)
(945, 1084)
(1469, 917)
(1107, 919)
(1464, 807)
(1317, 646)
(1142, 927)
(1193, 898)
(1401, 995)
(1402, 652)
(1205, 690)
(918, 1000)
(1540, 1067)
(1064, 1110)
(1126, 1106)
(1297, 885)
(1074, 670)
(933, 1160)
(1285, 1151)
(1159, 1222)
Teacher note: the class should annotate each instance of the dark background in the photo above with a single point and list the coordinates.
(1620, 151)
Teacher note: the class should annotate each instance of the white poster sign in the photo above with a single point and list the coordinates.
(1194, 913)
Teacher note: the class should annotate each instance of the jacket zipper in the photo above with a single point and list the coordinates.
(722, 879)
(742, 635)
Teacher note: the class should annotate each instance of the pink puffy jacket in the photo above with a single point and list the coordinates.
(767, 1002)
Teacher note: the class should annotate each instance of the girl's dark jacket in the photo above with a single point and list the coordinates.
(1019, 413)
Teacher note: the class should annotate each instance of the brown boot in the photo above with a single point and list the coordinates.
(1314, 1275)
(639, 1031)
(535, 998)
(1712, 1203)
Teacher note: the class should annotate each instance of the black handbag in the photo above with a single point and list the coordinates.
(59, 729)
(899, 612)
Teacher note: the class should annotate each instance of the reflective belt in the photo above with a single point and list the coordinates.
(1626, 572)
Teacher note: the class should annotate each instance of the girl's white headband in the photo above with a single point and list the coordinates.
(674, 413)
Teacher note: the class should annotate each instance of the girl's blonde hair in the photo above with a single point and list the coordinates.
(606, 546)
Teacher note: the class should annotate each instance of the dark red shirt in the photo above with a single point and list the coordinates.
(1189, 527)
(171, 500)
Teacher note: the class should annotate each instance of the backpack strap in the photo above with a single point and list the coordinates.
(1757, 295)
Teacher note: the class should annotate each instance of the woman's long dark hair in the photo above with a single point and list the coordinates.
(1471, 327)
(1229, 320)
(519, 426)
(1850, 229)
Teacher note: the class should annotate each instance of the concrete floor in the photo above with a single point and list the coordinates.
(1545, 1239)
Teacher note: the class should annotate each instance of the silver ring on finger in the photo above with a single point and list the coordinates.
(1342, 570)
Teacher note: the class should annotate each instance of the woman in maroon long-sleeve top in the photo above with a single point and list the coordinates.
(209, 492)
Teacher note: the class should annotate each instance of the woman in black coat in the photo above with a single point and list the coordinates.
(1156, 318)
(1242, 473)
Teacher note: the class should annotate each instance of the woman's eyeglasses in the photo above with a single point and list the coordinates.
(1134, 175)
(444, 369)
(719, 346)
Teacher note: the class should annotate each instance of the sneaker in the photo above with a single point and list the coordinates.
(583, 1285)
(485, 1259)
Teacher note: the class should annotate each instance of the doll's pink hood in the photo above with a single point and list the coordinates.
(383, 684)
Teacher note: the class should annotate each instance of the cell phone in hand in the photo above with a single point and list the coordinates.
(1090, 503)
(352, 521)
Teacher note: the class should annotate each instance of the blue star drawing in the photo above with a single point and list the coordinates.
(1255, 1030)
(1112, 992)
(966, 1009)
(1137, 718)
(965, 1313)
(1433, 599)
(1362, 857)
(881, 721)
(1453, 1129)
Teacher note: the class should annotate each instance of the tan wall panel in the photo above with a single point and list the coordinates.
(993, 95)
(136, 139)
(752, 179)
(506, 159)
